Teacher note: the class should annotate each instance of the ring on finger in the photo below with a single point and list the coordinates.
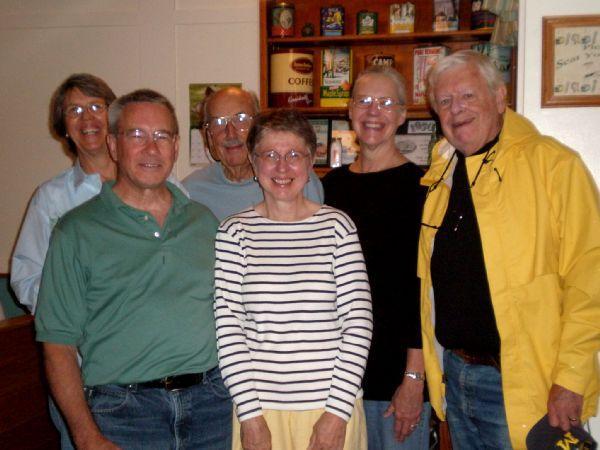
(573, 419)
(413, 426)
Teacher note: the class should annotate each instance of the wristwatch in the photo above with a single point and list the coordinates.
(419, 376)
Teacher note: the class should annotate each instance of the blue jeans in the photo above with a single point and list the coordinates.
(380, 430)
(136, 417)
(61, 426)
(475, 405)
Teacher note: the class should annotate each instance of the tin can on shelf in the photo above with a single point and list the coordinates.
(332, 21)
(366, 22)
(291, 78)
(282, 20)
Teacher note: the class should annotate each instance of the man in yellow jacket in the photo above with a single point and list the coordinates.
(509, 259)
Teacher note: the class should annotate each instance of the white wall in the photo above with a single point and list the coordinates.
(576, 127)
(160, 44)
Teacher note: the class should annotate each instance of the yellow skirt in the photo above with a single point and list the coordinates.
(291, 430)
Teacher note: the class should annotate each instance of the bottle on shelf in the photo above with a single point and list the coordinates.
(336, 152)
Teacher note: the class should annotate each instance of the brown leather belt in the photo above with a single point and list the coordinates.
(175, 382)
(482, 359)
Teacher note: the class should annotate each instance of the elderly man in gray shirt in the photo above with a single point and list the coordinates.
(228, 186)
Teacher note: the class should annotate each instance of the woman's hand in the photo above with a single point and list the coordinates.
(255, 434)
(406, 405)
(329, 433)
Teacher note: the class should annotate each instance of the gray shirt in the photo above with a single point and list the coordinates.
(224, 197)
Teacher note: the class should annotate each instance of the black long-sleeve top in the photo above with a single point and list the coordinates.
(386, 207)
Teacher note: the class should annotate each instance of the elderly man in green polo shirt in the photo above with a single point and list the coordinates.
(128, 281)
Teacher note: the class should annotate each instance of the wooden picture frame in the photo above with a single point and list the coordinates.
(571, 61)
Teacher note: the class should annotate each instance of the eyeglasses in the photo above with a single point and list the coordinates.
(293, 158)
(240, 122)
(139, 137)
(383, 103)
(76, 111)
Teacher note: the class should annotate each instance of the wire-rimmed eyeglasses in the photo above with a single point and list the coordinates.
(139, 137)
(240, 121)
(272, 158)
(75, 111)
(383, 103)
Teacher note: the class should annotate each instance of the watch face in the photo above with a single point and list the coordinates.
(415, 375)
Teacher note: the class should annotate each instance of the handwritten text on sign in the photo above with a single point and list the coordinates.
(577, 61)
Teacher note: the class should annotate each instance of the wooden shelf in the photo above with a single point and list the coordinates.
(413, 112)
(399, 46)
(407, 38)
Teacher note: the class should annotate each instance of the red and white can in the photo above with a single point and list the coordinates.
(291, 78)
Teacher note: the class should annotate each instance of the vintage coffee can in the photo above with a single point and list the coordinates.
(332, 21)
(291, 78)
(282, 20)
(366, 22)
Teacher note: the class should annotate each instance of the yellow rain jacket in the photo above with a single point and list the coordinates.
(539, 218)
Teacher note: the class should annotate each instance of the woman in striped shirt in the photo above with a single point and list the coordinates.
(292, 304)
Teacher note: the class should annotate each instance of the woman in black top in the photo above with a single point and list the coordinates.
(381, 193)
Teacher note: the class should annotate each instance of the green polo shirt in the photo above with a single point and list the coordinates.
(134, 298)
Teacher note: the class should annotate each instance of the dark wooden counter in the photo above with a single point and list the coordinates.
(24, 419)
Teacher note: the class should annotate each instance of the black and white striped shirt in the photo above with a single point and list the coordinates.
(293, 312)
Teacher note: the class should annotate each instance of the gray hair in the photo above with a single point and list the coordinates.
(210, 97)
(140, 96)
(389, 72)
(482, 63)
(282, 120)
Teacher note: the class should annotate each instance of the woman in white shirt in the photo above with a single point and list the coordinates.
(293, 305)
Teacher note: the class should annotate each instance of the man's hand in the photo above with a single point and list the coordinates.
(329, 433)
(564, 407)
(64, 378)
(406, 405)
(97, 442)
(255, 434)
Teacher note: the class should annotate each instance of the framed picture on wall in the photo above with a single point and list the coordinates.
(415, 147)
(571, 61)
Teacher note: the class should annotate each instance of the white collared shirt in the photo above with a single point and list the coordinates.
(51, 201)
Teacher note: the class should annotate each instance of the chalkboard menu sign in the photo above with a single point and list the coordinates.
(571, 63)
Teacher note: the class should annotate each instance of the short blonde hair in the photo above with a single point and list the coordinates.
(389, 72)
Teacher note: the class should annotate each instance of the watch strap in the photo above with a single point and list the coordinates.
(419, 376)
